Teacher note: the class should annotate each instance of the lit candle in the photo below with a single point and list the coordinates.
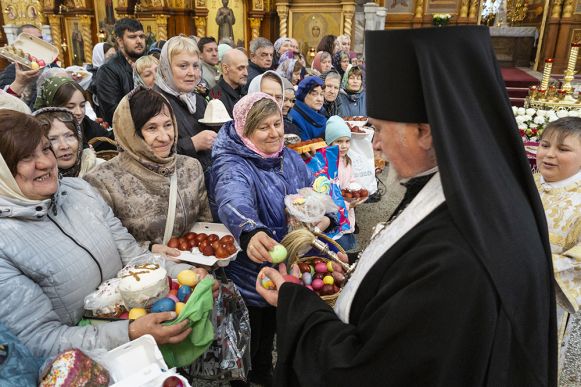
(573, 57)
(546, 73)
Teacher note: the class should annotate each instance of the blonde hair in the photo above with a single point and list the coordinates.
(181, 44)
(145, 62)
(260, 111)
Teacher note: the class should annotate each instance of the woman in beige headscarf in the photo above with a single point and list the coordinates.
(136, 183)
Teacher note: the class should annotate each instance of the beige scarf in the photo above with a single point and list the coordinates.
(135, 146)
(9, 189)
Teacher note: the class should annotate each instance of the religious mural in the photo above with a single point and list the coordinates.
(226, 19)
(75, 42)
(442, 6)
(308, 27)
(399, 6)
(106, 16)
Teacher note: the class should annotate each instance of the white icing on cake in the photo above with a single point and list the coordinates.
(139, 277)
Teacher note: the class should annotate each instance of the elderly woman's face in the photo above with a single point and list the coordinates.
(186, 72)
(64, 143)
(269, 134)
(158, 132)
(285, 47)
(315, 98)
(345, 45)
(148, 75)
(326, 65)
(36, 174)
(331, 88)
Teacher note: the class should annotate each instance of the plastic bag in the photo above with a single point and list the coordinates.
(363, 161)
(74, 368)
(309, 206)
(228, 357)
(325, 163)
(106, 301)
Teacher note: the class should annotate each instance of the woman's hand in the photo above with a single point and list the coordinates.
(204, 140)
(323, 224)
(168, 251)
(22, 78)
(151, 324)
(259, 246)
(278, 278)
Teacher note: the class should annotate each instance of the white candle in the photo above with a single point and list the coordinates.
(546, 74)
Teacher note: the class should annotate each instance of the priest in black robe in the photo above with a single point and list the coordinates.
(455, 289)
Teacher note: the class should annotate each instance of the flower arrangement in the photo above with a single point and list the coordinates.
(441, 19)
(531, 122)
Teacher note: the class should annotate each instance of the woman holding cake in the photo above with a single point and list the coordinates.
(58, 241)
(137, 183)
(251, 173)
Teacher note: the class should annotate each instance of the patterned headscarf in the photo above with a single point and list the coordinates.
(240, 113)
(279, 42)
(135, 146)
(339, 55)
(164, 79)
(48, 90)
(345, 80)
(66, 116)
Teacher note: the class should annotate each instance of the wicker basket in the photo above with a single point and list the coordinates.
(330, 300)
(104, 154)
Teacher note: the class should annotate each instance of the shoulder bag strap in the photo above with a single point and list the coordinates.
(171, 210)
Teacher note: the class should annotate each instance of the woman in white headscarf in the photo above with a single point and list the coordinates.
(178, 74)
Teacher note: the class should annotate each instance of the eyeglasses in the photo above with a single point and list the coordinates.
(68, 138)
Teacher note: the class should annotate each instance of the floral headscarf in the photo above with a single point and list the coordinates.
(135, 146)
(337, 58)
(345, 80)
(240, 113)
(48, 89)
(66, 116)
(164, 79)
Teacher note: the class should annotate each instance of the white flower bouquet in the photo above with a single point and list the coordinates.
(531, 122)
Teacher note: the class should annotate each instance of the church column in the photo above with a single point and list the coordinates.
(282, 10)
(348, 13)
(556, 11)
(463, 10)
(161, 21)
(255, 26)
(568, 9)
(473, 13)
(200, 23)
(55, 30)
(87, 38)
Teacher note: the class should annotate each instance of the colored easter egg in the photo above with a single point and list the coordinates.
(307, 278)
(292, 278)
(135, 313)
(317, 284)
(183, 292)
(179, 307)
(188, 277)
(163, 305)
(328, 280)
(329, 266)
(172, 297)
(278, 254)
(267, 283)
(321, 267)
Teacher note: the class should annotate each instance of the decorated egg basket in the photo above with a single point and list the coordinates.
(318, 273)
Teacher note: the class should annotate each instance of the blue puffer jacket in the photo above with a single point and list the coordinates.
(351, 104)
(247, 192)
(311, 124)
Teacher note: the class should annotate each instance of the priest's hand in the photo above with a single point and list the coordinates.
(278, 277)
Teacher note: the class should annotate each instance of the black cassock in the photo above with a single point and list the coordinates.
(427, 314)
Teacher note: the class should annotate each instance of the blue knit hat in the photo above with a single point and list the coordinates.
(336, 128)
(306, 85)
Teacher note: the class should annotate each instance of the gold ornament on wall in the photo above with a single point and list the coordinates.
(516, 10)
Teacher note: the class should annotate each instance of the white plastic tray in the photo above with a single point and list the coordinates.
(31, 45)
(195, 256)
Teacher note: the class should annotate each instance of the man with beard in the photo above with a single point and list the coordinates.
(115, 78)
(234, 77)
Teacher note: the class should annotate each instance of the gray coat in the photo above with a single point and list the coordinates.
(46, 269)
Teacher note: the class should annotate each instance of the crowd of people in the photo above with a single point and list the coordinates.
(457, 287)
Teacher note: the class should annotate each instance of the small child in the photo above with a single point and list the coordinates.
(559, 164)
(337, 133)
(352, 96)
